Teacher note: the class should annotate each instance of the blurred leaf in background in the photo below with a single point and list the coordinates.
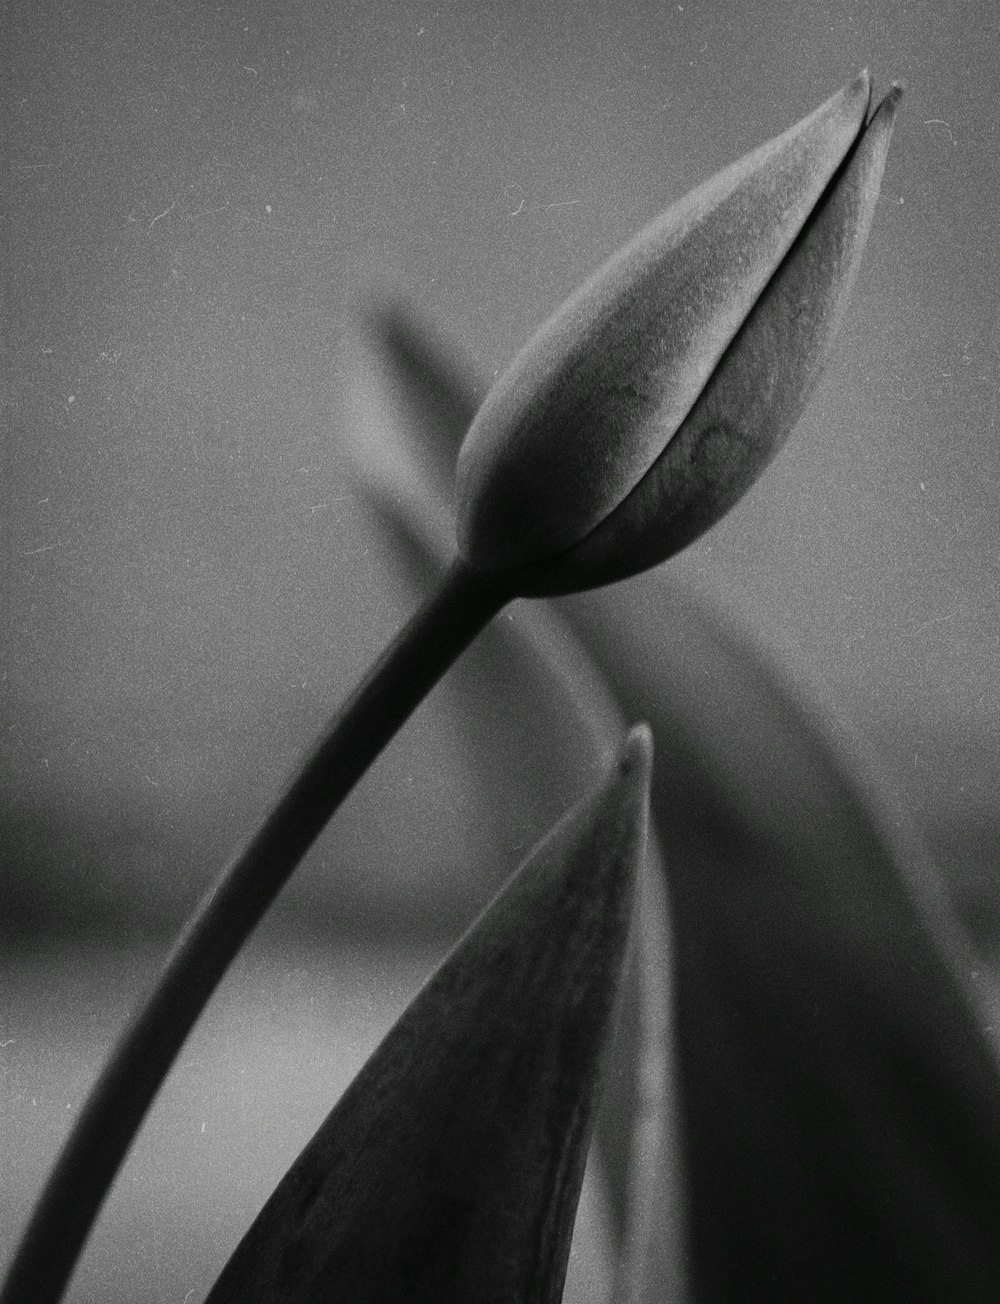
(837, 1098)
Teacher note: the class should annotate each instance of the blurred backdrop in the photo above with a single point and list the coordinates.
(197, 198)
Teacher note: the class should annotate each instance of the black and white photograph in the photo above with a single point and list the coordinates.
(500, 652)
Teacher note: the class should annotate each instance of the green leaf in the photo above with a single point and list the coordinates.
(451, 1168)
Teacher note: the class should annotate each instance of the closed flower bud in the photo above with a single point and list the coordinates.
(652, 400)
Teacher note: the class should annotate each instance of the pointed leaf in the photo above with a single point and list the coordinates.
(451, 1168)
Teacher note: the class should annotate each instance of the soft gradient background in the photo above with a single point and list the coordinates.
(196, 198)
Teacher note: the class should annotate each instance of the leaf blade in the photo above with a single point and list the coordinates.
(840, 1100)
(451, 1167)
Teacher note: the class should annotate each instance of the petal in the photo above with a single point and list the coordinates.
(590, 403)
(756, 393)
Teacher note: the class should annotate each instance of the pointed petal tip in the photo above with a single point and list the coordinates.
(859, 90)
(890, 101)
(883, 117)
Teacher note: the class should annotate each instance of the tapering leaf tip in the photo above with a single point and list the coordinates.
(451, 1168)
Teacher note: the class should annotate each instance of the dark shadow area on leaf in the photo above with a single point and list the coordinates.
(451, 1168)
(840, 1099)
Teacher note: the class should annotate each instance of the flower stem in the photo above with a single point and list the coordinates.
(405, 673)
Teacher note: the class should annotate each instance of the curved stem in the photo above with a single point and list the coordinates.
(404, 674)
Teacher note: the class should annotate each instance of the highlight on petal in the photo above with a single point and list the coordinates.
(451, 1168)
(595, 401)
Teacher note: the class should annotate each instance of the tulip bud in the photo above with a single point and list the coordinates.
(652, 400)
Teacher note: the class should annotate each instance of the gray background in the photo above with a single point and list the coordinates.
(196, 198)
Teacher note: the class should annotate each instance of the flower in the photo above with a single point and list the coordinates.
(652, 400)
